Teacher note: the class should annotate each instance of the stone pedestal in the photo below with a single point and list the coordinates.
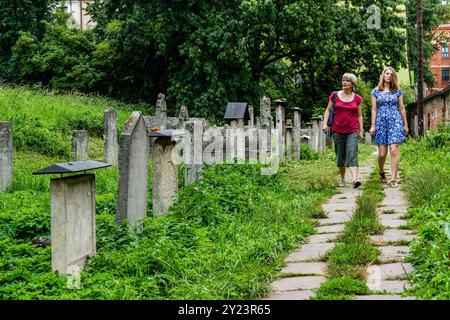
(79, 145)
(6, 155)
(111, 146)
(72, 221)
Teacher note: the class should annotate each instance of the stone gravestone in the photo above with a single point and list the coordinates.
(133, 171)
(73, 237)
(6, 155)
(111, 145)
(161, 111)
(368, 138)
(193, 150)
(297, 133)
(72, 221)
(289, 139)
(280, 126)
(79, 145)
(165, 173)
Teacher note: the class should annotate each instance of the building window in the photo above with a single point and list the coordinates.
(445, 74)
(444, 51)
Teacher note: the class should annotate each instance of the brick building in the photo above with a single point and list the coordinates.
(77, 9)
(440, 62)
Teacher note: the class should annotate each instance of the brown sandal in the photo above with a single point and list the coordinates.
(383, 177)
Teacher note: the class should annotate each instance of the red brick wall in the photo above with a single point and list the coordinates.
(434, 113)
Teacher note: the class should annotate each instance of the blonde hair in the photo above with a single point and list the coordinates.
(394, 80)
(353, 79)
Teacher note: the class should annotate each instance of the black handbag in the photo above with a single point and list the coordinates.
(331, 116)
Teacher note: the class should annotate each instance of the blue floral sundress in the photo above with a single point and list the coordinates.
(389, 122)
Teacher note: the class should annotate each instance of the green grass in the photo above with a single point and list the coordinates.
(348, 260)
(226, 238)
(341, 288)
(426, 166)
(43, 120)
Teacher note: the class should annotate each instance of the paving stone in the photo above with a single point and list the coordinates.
(393, 286)
(394, 202)
(393, 223)
(384, 297)
(338, 207)
(396, 208)
(291, 295)
(390, 253)
(343, 198)
(388, 271)
(322, 238)
(330, 229)
(317, 268)
(335, 217)
(390, 216)
(393, 235)
(297, 283)
(310, 251)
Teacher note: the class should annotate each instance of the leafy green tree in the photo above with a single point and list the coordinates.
(65, 58)
(17, 16)
(434, 14)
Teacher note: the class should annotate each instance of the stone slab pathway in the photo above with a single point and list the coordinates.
(304, 270)
(389, 278)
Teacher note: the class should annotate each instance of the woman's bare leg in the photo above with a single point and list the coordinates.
(394, 150)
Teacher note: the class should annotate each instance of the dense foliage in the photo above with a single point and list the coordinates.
(427, 168)
(17, 16)
(434, 14)
(205, 53)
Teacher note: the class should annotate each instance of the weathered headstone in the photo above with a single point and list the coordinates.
(280, 126)
(315, 139)
(214, 148)
(79, 145)
(111, 146)
(133, 171)
(251, 111)
(322, 137)
(297, 133)
(265, 111)
(165, 173)
(183, 117)
(309, 130)
(161, 111)
(289, 130)
(240, 141)
(368, 138)
(6, 155)
(193, 151)
(72, 221)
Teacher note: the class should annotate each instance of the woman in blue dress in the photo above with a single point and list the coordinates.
(388, 123)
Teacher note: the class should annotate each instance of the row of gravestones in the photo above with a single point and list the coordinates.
(162, 138)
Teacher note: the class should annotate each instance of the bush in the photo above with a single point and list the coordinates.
(63, 58)
(307, 153)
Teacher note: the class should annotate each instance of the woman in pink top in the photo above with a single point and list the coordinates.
(347, 127)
